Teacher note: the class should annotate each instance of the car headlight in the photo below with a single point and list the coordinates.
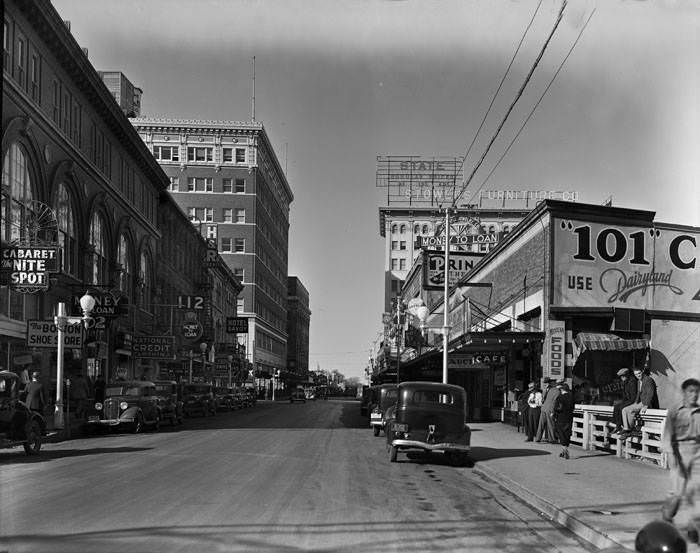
(98, 406)
(123, 405)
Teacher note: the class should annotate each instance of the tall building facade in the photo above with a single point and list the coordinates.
(298, 323)
(228, 180)
(125, 93)
(408, 229)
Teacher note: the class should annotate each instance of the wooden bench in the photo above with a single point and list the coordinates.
(593, 429)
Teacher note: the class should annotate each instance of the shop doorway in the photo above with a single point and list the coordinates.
(478, 384)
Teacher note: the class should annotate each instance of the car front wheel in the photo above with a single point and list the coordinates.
(33, 443)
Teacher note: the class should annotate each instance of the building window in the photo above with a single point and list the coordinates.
(239, 272)
(35, 75)
(492, 229)
(394, 229)
(98, 245)
(240, 186)
(228, 215)
(191, 213)
(402, 264)
(394, 263)
(166, 153)
(66, 230)
(76, 134)
(65, 108)
(200, 184)
(227, 155)
(239, 245)
(425, 229)
(226, 245)
(20, 61)
(200, 154)
(6, 45)
(227, 186)
(394, 244)
(126, 272)
(174, 184)
(402, 245)
(240, 155)
(145, 282)
(240, 305)
(56, 102)
(240, 215)
(208, 214)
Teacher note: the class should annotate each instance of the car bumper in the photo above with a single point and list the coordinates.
(376, 420)
(426, 446)
(109, 422)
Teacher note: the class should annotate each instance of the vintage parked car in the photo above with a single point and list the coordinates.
(298, 395)
(385, 397)
(198, 398)
(19, 425)
(169, 394)
(134, 404)
(429, 417)
(228, 398)
(251, 395)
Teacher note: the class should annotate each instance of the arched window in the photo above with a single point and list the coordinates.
(403, 229)
(15, 210)
(492, 229)
(425, 229)
(16, 194)
(127, 271)
(416, 229)
(145, 281)
(393, 229)
(66, 230)
(506, 229)
(98, 245)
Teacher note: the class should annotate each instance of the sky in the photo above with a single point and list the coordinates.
(338, 83)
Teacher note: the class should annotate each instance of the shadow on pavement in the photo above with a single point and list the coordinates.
(50, 455)
(487, 453)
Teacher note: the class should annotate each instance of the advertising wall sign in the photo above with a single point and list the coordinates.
(419, 180)
(153, 347)
(434, 267)
(237, 325)
(599, 265)
(476, 359)
(28, 267)
(554, 350)
(44, 334)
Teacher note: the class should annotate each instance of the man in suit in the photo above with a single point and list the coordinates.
(645, 398)
(36, 399)
(534, 405)
(545, 427)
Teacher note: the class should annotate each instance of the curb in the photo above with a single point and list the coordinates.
(583, 530)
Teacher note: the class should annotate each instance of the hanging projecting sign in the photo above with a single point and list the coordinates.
(434, 267)
(153, 347)
(554, 350)
(599, 265)
(237, 325)
(44, 334)
(29, 267)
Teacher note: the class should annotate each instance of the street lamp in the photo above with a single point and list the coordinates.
(230, 361)
(87, 304)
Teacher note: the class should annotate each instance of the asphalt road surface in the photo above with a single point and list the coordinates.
(276, 477)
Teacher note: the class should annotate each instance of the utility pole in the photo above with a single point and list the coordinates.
(446, 311)
(398, 339)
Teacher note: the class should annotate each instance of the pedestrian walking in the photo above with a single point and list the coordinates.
(545, 426)
(36, 398)
(564, 417)
(80, 393)
(681, 442)
(645, 398)
(534, 406)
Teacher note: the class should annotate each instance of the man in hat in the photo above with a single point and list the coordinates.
(629, 393)
(564, 417)
(534, 406)
(545, 427)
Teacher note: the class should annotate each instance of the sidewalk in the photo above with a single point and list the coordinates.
(598, 496)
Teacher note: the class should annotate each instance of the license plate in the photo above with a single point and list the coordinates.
(400, 427)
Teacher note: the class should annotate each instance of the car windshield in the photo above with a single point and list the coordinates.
(133, 391)
(163, 389)
(114, 391)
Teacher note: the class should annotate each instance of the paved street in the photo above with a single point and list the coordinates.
(275, 477)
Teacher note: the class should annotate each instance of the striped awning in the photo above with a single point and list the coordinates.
(598, 341)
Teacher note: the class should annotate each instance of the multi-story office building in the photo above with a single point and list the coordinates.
(227, 178)
(125, 93)
(408, 229)
(298, 321)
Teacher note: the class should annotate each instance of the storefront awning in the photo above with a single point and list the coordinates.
(598, 341)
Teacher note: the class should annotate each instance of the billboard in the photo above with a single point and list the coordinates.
(420, 180)
(434, 267)
(616, 265)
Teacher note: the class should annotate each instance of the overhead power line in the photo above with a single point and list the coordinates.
(535, 106)
(500, 85)
(515, 100)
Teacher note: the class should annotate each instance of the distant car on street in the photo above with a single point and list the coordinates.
(228, 398)
(384, 397)
(429, 417)
(131, 404)
(19, 425)
(198, 398)
(169, 394)
(298, 395)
